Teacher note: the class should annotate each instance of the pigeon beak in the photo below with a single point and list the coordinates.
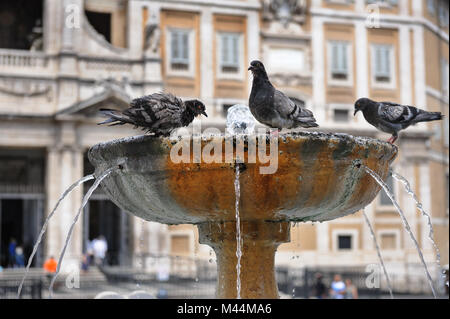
(250, 68)
(356, 111)
(204, 113)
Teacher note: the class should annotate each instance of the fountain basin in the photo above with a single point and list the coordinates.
(319, 177)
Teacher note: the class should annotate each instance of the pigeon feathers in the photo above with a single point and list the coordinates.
(158, 113)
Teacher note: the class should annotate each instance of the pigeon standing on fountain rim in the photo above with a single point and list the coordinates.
(272, 107)
(158, 113)
(391, 117)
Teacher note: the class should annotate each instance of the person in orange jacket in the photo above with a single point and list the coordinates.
(50, 265)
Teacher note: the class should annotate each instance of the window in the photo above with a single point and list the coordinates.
(431, 6)
(386, 2)
(383, 66)
(384, 198)
(179, 49)
(340, 62)
(444, 77)
(229, 52)
(101, 22)
(340, 115)
(388, 241)
(344, 242)
(443, 16)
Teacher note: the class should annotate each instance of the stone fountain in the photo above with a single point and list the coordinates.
(319, 177)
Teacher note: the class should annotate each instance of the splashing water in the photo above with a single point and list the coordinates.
(424, 213)
(372, 234)
(237, 190)
(240, 120)
(69, 235)
(44, 227)
(391, 196)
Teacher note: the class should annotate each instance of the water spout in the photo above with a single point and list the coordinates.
(69, 235)
(372, 234)
(237, 189)
(424, 213)
(44, 227)
(388, 192)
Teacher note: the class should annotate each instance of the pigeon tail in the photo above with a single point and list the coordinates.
(115, 117)
(425, 116)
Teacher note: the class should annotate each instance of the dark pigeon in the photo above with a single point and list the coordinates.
(158, 113)
(272, 107)
(391, 117)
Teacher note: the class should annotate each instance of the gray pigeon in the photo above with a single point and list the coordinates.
(272, 107)
(158, 113)
(391, 117)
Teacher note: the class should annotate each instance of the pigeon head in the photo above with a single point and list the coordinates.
(361, 104)
(257, 69)
(196, 107)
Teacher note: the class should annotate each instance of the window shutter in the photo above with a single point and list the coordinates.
(235, 55)
(185, 47)
(230, 50)
(339, 63)
(174, 45)
(179, 46)
(382, 61)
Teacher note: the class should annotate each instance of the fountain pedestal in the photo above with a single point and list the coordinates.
(260, 240)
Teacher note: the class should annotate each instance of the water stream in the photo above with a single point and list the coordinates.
(389, 193)
(424, 213)
(237, 190)
(44, 227)
(69, 235)
(372, 234)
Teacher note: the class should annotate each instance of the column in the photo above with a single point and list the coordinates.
(362, 76)
(419, 67)
(206, 56)
(253, 34)
(318, 69)
(405, 66)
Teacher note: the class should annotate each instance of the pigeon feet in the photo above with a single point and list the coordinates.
(392, 139)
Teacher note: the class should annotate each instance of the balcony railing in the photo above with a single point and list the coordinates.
(22, 59)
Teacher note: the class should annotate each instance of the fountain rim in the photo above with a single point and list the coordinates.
(296, 135)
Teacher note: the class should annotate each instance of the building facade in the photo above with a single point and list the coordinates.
(62, 60)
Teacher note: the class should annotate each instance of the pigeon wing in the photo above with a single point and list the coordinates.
(396, 113)
(292, 112)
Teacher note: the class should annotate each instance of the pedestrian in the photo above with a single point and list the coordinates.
(337, 290)
(19, 258)
(100, 247)
(320, 290)
(351, 292)
(85, 263)
(12, 252)
(50, 266)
